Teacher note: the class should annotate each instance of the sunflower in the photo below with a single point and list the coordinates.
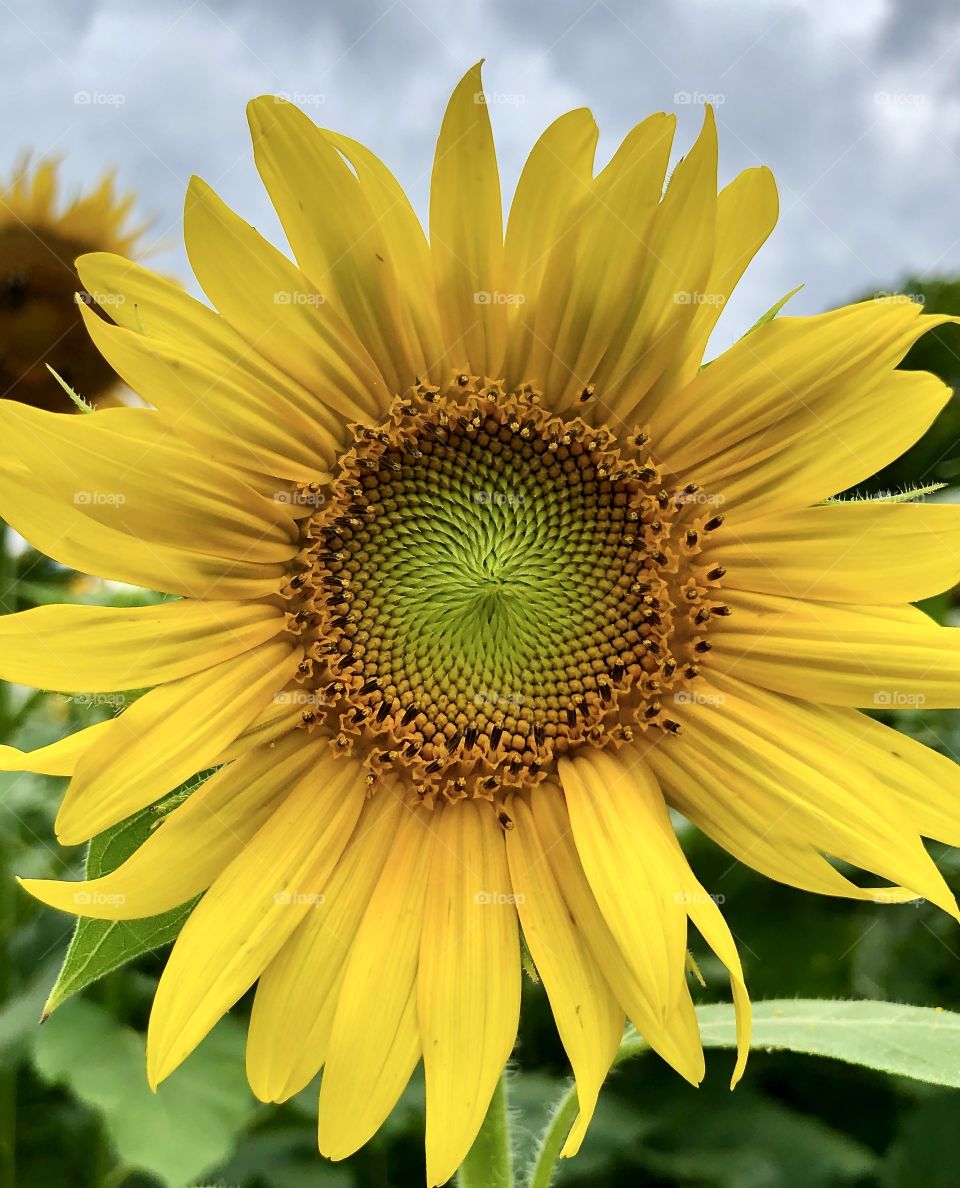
(39, 240)
(478, 574)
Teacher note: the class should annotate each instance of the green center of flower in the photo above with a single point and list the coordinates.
(487, 586)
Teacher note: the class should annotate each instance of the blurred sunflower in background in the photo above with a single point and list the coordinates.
(477, 571)
(40, 326)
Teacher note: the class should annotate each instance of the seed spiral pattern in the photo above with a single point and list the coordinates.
(485, 586)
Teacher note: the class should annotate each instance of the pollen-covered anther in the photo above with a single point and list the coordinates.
(486, 587)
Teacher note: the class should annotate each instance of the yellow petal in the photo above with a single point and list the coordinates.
(55, 759)
(814, 398)
(468, 981)
(254, 905)
(740, 820)
(195, 367)
(836, 654)
(853, 551)
(98, 649)
(708, 920)
(408, 248)
(676, 272)
(466, 232)
(282, 713)
(191, 846)
(747, 211)
(167, 736)
(924, 781)
(554, 185)
(375, 1041)
(555, 179)
(776, 369)
(112, 464)
(65, 532)
(230, 406)
(748, 743)
(589, 1018)
(590, 291)
(611, 813)
(677, 1040)
(632, 801)
(333, 231)
(276, 309)
(297, 994)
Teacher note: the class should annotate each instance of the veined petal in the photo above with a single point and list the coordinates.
(590, 287)
(466, 232)
(554, 185)
(789, 398)
(190, 847)
(334, 233)
(115, 462)
(777, 369)
(251, 909)
(708, 920)
(167, 736)
(924, 781)
(631, 801)
(740, 821)
(747, 211)
(749, 744)
(675, 274)
(276, 309)
(281, 713)
(292, 1016)
(468, 981)
(827, 450)
(65, 532)
(375, 1040)
(409, 249)
(854, 551)
(589, 1018)
(677, 1040)
(836, 654)
(554, 182)
(192, 365)
(612, 813)
(56, 759)
(219, 409)
(99, 649)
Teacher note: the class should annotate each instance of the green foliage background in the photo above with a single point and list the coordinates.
(75, 1110)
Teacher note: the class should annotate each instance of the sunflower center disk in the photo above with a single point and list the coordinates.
(486, 587)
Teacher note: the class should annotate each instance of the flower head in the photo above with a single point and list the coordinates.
(479, 571)
(40, 326)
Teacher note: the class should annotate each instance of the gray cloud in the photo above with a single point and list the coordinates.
(856, 110)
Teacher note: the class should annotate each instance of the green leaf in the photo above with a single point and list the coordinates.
(773, 310)
(188, 1127)
(909, 1041)
(99, 947)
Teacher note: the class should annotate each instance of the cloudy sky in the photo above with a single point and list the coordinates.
(855, 106)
